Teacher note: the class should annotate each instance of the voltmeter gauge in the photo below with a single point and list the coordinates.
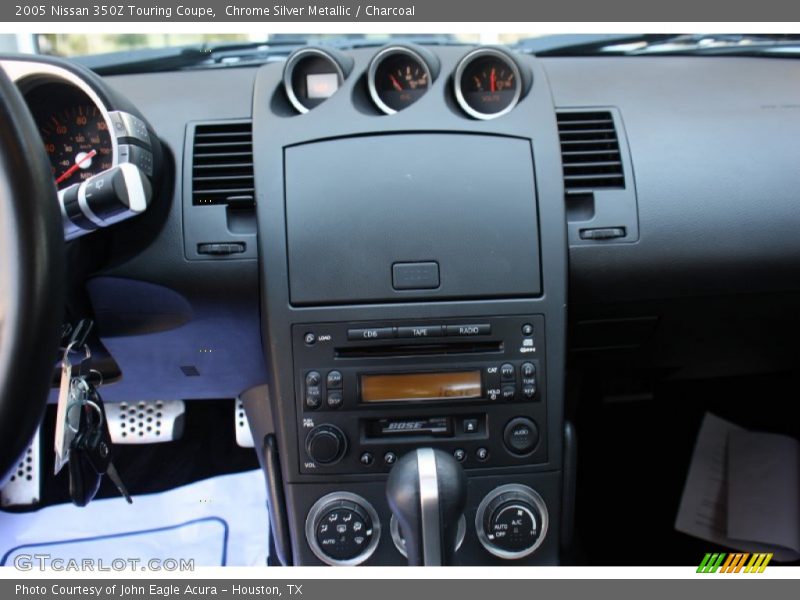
(488, 83)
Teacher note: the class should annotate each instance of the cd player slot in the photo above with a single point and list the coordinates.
(403, 350)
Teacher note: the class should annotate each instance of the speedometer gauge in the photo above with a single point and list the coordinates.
(77, 142)
(74, 131)
(398, 77)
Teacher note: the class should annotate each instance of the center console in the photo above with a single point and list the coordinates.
(413, 273)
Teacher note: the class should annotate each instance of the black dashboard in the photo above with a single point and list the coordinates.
(410, 245)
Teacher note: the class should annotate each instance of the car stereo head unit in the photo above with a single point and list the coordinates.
(368, 392)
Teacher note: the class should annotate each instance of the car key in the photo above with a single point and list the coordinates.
(84, 480)
(95, 448)
(92, 458)
(101, 449)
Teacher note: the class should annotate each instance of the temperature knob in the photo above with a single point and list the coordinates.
(342, 529)
(512, 521)
(326, 444)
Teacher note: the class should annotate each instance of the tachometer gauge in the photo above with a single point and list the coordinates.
(77, 142)
(397, 77)
(488, 83)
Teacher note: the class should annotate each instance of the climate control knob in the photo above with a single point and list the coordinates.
(512, 521)
(342, 529)
(326, 444)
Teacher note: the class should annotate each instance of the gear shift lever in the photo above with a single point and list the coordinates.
(427, 492)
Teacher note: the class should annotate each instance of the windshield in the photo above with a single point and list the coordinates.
(69, 45)
(118, 53)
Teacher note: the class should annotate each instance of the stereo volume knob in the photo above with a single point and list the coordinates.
(326, 444)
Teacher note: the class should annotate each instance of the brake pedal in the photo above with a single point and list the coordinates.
(23, 487)
(244, 437)
(150, 422)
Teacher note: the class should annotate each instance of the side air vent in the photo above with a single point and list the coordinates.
(590, 151)
(222, 164)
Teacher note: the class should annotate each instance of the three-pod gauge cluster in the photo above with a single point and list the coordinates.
(487, 82)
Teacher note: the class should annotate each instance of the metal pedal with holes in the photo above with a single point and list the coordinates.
(145, 422)
(244, 437)
(22, 488)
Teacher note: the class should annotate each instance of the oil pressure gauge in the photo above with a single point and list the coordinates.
(398, 76)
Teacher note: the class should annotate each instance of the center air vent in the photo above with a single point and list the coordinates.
(590, 151)
(222, 164)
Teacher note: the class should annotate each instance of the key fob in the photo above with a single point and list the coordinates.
(93, 450)
(84, 480)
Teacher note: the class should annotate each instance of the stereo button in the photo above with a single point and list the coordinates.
(374, 333)
(335, 399)
(313, 396)
(508, 392)
(334, 380)
(507, 372)
(469, 330)
(528, 369)
(422, 331)
(521, 436)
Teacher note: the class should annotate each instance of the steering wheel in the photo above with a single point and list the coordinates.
(31, 276)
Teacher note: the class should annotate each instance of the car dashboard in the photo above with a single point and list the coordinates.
(424, 247)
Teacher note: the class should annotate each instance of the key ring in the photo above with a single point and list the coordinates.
(99, 377)
(69, 348)
(90, 403)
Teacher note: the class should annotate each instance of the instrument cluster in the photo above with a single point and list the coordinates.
(103, 156)
(487, 82)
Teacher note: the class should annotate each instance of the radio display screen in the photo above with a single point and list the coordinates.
(410, 387)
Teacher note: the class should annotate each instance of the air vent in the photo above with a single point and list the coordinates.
(222, 164)
(590, 151)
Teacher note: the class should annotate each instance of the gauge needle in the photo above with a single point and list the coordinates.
(396, 83)
(493, 81)
(68, 173)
